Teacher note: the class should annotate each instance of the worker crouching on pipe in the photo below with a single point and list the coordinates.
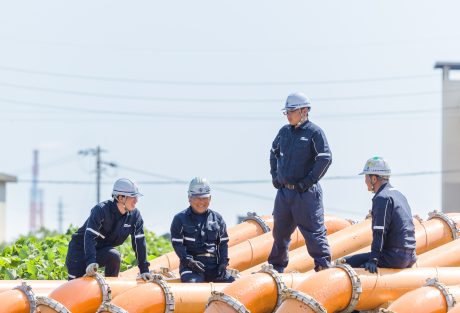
(393, 242)
(199, 238)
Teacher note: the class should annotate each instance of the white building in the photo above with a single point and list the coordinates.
(3, 180)
(450, 138)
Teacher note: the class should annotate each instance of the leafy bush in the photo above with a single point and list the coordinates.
(41, 255)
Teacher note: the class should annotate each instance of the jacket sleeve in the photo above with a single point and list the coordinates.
(177, 239)
(381, 216)
(92, 232)
(223, 243)
(139, 245)
(323, 158)
(274, 155)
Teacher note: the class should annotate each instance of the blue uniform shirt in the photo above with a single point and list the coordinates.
(107, 227)
(300, 155)
(193, 234)
(392, 224)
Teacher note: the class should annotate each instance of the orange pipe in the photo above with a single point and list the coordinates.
(14, 301)
(237, 234)
(39, 287)
(332, 288)
(445, 255)
(455, 309)
(425, 299)
(342, 243)
(150, 297)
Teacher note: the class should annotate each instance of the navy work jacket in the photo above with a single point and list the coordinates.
(300, 154)
(107, 227)
(392, 224)
(192, 235)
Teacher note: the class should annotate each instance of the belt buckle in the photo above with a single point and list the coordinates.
(289, 186)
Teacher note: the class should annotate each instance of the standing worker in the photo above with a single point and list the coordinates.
(199, 238)
(299, 158)
(393, 234)
(108, 226)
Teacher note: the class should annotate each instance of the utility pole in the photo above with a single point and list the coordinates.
(99, 167)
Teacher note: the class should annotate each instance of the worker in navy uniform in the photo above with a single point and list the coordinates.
(299, 158)
(393, 234)
(199, 238)
(108, 226)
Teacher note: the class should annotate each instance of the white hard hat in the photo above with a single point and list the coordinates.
(376, 166)
(125, 187)
(199, 187)
(297, 100)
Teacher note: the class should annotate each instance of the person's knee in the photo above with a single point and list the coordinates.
(113, 257)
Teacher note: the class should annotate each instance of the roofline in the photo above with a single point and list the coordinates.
(8, 178)
(449, 65)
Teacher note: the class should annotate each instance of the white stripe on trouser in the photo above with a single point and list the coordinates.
(323, 154)
(189, 239)
(177, 240)
(96, 233)
(224, 239)
(186, 272)
(379, 227)
(71, 276)
(139, 236)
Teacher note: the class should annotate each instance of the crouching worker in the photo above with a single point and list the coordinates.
(199, 238)
(108, 226)
(393, 242)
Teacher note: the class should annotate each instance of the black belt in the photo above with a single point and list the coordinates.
(289, 186)
(209, 255)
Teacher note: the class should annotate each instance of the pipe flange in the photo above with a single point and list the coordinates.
(356, 288)
(109, 307)
(418, 218)
(289, 293)
(235, 304)
(105, 289)
(280, 285)
(27, 290)
(446, 218)
(450, 299)
(252, 216)
(169, 297)
(51, 303)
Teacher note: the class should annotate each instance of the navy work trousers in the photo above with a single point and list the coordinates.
(305, 211)
(395, 258)
(210, 274)
(107, 257)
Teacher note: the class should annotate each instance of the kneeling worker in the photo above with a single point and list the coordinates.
(393, 242)
(108, 226)
(199, 238)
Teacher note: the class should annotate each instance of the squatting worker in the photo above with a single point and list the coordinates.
(299, 158)
(393, 231)
(108, 226)
(199, 238)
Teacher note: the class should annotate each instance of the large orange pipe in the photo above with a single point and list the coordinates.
(237, 234)
(150, 297)
(445, 255)
(332, 288)
(426, 299)
(39, 287)
(455, 309)
(14, 301)
(342, 243)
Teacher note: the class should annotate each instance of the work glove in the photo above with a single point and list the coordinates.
(91, 269)
(222, 271)
(146, 276)
(276, 183)
(371, 266)
(301, 187)
(195, 266)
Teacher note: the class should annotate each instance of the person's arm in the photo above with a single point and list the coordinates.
(92, 232)
(177, 239)
(274, 155)
(139, 245)
(381, 215)
(223, 243)
(323, 159)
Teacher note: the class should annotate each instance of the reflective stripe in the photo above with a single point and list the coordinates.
(189, 239)
(95, 232)
(379, 227)
(71, 276)
(177, 240)
(224, 239)
(186, 272)
(323, 154)
(139, 236)
(209, 244)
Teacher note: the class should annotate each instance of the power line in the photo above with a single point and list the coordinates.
(212, 83)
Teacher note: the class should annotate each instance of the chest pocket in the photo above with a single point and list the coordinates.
(212, 231)
(190, 234)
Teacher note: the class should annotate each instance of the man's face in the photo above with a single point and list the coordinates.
(294, 116)
(199, 205)
(131, 203)
(368, 181)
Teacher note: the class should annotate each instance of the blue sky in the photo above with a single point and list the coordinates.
(183, 89)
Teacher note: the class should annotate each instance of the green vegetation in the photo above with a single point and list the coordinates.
(41, 255)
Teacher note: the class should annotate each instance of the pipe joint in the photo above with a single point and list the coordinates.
(221, 297)
(169, 296)
(109, 307)
(289, 293)
(449, 297)
(356, 288)
(252, 216)
(51, 303)
(449, 221)
(280, 285)
(27, 290)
